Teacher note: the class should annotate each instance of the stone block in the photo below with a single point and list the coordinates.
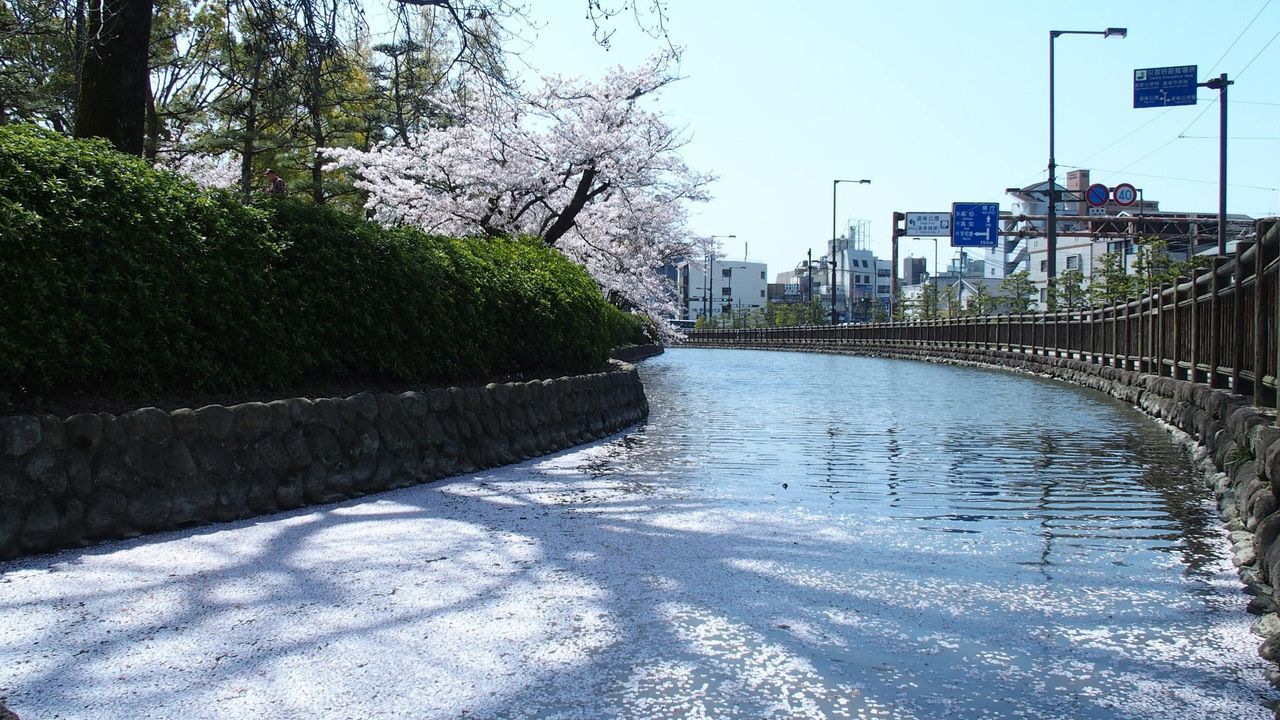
(19, 434)
(150, 510)
(290, 491)
(439, 399)
(55, 433)
(216, 421)
(40, 526)
(295, 444)
(415, 404)
(113, 431)
(48, 470)
(1261, 506)
(281, 416)
(179, 462)
(185, 423)
(365, 404)
(105, 514)
(193, 501)
(84, 431)
(146, 459)
(252, 418)
(151, 424)
(327, 414)
(302, 411)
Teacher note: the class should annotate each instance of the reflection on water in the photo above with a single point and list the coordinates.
(933, 542)
(940, 449)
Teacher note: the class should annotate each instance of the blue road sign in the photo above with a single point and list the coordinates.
(975, 224)
(1164, 86)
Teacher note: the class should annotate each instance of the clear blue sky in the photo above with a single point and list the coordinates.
(939, 102)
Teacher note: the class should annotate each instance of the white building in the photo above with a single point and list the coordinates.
(733, 285)
(1187, 233)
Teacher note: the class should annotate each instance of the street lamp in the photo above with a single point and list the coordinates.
(710, 265)
(1051, 217)
(834, 185)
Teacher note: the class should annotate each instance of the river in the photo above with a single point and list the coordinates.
(789, 536)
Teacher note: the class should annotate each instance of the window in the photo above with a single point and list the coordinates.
(1044, 295)
(864, 263)
(726, 291)
(726, 272)
(761, 293)
(1044, 266)
(1073, 262)
(762, 277)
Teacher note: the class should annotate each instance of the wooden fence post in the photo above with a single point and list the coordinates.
(1194, 374)
(1237, 317)
(1260, 259)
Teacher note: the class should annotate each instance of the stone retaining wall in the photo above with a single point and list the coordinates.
(1235, 444)
(636, 353)
(92, 477)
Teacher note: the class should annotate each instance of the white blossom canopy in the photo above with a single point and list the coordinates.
(579, 164)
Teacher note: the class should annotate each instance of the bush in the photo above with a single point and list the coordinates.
(116, 278)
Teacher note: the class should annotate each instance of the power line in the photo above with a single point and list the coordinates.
(1255, 57)
(1178, 179)
(1242, 32)
(1126, 135)
(1229, 137)
(1206, 107)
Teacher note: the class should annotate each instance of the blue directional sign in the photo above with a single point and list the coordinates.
(975, 224)
(1164, 86)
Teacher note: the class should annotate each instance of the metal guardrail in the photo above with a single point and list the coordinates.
(1217, 328)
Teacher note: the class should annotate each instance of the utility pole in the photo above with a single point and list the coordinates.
(833, 287)
(1220, 84)
(808, 299)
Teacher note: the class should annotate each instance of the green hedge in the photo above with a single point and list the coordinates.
(115, 278)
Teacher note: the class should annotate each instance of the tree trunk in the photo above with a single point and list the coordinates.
(113, 75)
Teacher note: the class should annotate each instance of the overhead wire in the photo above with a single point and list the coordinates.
(1206, 108)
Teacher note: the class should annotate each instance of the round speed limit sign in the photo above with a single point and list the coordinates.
(1125, 194)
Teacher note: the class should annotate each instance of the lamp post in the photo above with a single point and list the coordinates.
(835, 184)
(711, 262)
(935, 261)
(1051, 216)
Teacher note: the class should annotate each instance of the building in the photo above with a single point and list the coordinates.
(733, 286)
(1083, 240)
(913, 270)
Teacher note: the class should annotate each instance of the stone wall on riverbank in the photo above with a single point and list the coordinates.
(1236, 445)
(95, 476)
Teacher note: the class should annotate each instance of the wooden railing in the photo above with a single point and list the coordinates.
(1217, 328)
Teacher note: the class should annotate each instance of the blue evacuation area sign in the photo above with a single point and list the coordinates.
(975, 224)
(1164, 86)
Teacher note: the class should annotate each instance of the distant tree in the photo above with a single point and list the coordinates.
(926, 302)
(39, 62)
(1069, 292)
(1154, 267)
(1017, 291)
(899, 306)
(981, 302)
(1110, 284)
(951, 297)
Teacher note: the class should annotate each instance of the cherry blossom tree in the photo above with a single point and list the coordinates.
(581, 165)
(207, 171)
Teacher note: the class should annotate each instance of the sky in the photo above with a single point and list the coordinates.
(936, 102)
